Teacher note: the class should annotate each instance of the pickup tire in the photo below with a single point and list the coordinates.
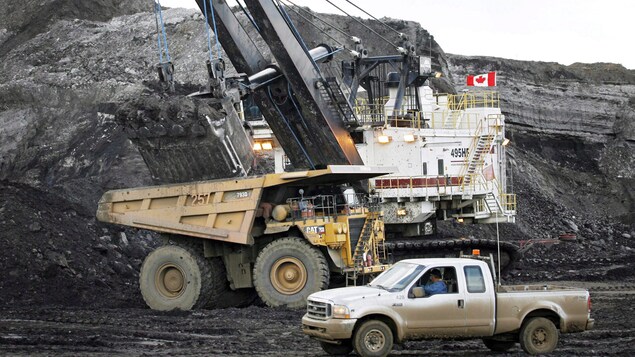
(175, 277)
(538, 335)
(337, 350)
(288, 270)
(497, 345)
(373, 338)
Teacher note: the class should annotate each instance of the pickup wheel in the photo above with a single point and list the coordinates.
(538, 335)
(337, 350)
(288, 270)
(373, 338)
(175, 277)
(497, 345)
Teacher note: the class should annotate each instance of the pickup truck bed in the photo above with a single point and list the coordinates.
(516, 301)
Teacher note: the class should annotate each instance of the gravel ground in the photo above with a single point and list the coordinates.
(258, 331)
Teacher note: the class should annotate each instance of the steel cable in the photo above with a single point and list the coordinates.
(374, 18)
(366, 26)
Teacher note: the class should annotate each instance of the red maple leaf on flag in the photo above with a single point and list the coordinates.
(480, 79)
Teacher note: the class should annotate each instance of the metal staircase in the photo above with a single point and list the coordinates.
(367, 243)
(492, 204)
(476, 157)
(501, 207)
(332, 94)
(453, 119)
(481, 145)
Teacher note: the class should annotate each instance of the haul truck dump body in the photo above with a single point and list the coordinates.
(283, 234)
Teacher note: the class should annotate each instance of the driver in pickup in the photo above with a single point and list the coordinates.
(436, 285)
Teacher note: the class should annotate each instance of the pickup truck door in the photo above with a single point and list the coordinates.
(479, 302)
(441, 315)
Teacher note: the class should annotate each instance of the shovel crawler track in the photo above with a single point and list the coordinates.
(429, 248)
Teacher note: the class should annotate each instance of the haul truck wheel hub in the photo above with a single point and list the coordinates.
(170, 280)
(288, 275)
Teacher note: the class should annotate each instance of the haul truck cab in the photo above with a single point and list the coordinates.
(282, 234)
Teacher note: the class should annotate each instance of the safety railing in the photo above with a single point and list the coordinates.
(375, 115)
(378, 114)
(508, 202)
(472, 100)
(331, 205)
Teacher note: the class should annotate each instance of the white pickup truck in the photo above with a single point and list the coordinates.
(394, 308)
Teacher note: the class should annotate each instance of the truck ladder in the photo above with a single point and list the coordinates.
(368, 243)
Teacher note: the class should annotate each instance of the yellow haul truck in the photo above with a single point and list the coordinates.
(282, 234)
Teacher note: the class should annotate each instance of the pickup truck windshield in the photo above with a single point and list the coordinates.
(397, 277)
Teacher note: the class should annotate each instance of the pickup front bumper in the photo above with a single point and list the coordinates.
(328, 330)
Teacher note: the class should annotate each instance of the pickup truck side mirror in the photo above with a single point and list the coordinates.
(418, 292)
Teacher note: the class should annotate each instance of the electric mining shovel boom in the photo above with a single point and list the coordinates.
(285, 234)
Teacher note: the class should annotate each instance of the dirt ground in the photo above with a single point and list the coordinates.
(70, 287)
(259, 331)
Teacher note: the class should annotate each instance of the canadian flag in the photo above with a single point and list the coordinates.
(482, 80)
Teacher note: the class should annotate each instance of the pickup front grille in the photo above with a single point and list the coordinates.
(318, 310)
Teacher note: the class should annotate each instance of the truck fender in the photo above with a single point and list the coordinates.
(386, 315)
(277, 229)
(544, 309)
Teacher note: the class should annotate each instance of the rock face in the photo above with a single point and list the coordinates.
(66, 67)
(571, 129)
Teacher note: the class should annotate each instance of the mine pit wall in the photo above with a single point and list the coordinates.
(60, 141)
(591, 178)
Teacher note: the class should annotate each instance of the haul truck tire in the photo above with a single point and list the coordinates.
(222, 296)
(538, 335)
(176, 277)
(288, 270)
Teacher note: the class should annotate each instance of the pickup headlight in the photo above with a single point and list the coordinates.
(341, 312)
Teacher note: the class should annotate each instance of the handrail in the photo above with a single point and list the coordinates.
(486, 99)
(453, 116)
(471, 152)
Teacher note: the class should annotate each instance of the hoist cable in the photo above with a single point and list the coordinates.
(156, 21)
(248, 15)
(374, 18)
(158, 18)
(218, 48)
(293, 134)
(317, 27)
(209, 40)
(359, 22)
(295, 32)
(317, 18)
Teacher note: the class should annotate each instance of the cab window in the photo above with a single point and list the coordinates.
(448, 277)
(474, 279)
